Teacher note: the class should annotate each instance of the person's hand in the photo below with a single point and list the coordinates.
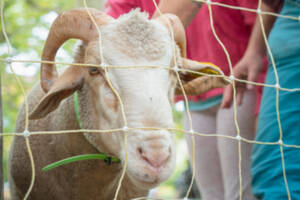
(247, 68)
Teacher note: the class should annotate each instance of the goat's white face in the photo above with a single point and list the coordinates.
(147, 94)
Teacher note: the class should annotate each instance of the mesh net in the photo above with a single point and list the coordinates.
(191, 132)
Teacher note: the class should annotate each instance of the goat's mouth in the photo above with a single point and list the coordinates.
(144, 180)
(146, 176)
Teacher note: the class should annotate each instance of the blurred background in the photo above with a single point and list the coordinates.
(27, 23)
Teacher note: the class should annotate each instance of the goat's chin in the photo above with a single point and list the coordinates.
(146, 177)
(143, 185)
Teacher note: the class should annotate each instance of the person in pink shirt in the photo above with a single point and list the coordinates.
(216, 157)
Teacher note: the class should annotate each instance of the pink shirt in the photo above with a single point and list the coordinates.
(232, 26)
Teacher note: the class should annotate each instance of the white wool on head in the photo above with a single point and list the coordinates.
(133, 37)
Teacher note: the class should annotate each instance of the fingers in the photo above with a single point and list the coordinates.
(247, 68)
(227, 97)
(240, 95)
(252, 76)
(239, 72)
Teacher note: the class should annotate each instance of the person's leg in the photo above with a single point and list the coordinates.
(208, 172)
(228, 148)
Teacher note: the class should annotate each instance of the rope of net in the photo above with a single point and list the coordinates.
(184, 95)
(11, 61)
(26, 132)
(277, 99)
(230, 78)
(118, 97)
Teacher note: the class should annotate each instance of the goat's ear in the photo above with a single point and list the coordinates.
(195, 84)
(70, 81)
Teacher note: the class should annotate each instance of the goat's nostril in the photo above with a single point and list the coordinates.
(140, 150)
(155, 158)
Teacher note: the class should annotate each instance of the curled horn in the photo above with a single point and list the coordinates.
(75, 23)
(195, 84)
(178, 30)
(192, 84)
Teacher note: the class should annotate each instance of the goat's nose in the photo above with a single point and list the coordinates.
(156, 157)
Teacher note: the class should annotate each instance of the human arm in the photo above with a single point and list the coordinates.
(115, 8)
(248, 68)
(186, 10)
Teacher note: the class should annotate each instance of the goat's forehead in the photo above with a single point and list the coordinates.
(133, 39)
(140, 79)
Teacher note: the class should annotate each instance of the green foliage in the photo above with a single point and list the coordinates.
(22, 17)
(24, 22)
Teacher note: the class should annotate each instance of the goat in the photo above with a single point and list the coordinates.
(147, 94)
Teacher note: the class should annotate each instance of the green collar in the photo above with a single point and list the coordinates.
(102, 156)
(76, 108)
(106, 158)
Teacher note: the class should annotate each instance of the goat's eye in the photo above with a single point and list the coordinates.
(94, 70)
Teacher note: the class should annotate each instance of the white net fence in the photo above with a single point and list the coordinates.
(27, 134)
